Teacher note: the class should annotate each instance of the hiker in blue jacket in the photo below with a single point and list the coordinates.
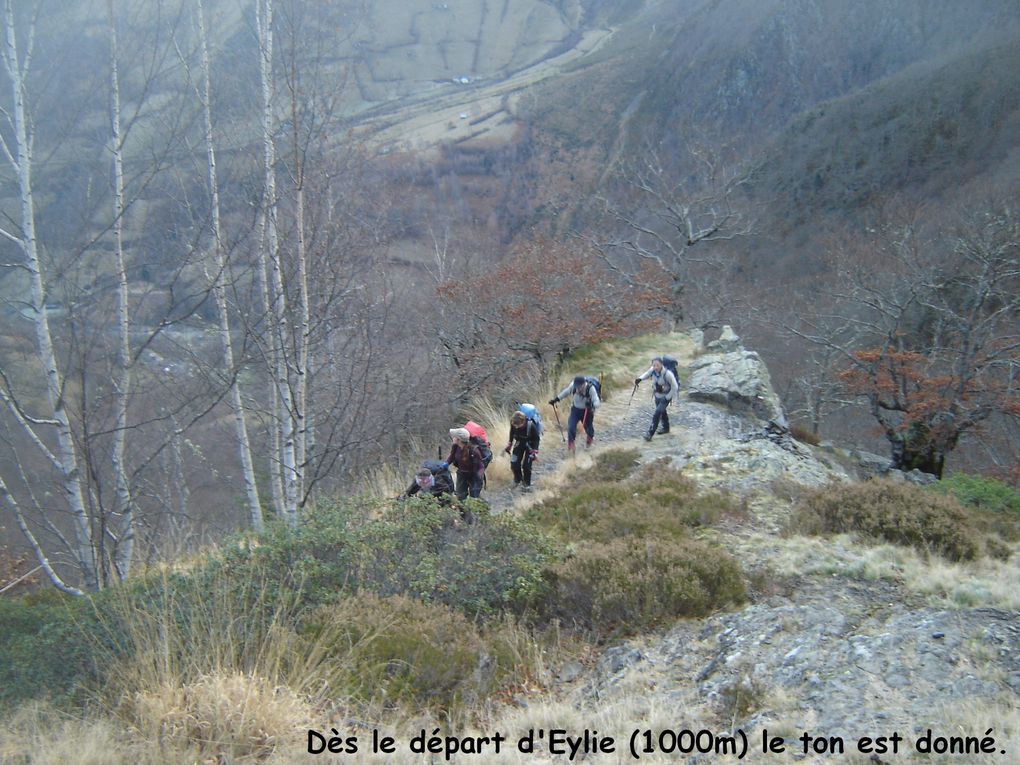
(585, 400)
(664, 388)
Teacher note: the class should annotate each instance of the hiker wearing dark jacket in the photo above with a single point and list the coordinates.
(522, 447)
(438, 485)
(467, 458)
(664, 388)
(585, 400)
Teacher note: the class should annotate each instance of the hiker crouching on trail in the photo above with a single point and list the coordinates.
(467, 458)
(664, 388)
(522, 448)
(582, 408)
(432, 479)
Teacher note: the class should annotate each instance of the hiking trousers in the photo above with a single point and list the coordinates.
(661, 416)
(584, 416)
(520, 463)
(468, 484)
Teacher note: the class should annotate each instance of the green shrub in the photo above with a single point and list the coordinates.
(981, 492)
(46, 650)
(396, 651)
(615, 464)
(659, 503)
(417, 548)
(896, 512)
(629, 585)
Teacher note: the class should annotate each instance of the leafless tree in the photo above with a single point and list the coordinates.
(668, 212)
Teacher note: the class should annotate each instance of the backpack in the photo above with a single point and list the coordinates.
(595, 383)
(440, 471)
(480, 439)
(530, 411)
(671, 364)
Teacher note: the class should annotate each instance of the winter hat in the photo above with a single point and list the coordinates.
(578, 381)
(460, 433)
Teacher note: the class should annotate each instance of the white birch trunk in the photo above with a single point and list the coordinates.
(278, 322)
(125, 503)
(303, 355)
(22, 164)
(220, 292)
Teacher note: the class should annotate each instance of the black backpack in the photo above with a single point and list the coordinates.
(441, 472)
(672, 365)
(484, 448)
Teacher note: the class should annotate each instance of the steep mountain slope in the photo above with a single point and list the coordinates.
(857, 94)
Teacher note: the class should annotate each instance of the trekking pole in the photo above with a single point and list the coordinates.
(632, 395)
(558, 424)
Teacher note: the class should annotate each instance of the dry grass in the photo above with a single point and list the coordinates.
(225, 717)
(986, 582)
(40, 736)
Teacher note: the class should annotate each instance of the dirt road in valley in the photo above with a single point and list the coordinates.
(460, 112)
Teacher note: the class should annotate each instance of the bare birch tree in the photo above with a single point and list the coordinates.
(18, 151)
(664, 210)
(221, 271)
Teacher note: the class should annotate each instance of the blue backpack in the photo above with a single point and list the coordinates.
(530, 411)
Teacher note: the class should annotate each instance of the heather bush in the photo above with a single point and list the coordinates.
(629, 585)
(397, 651)
(472, 561)
(657, 502)
(896, 512)
(44, 649)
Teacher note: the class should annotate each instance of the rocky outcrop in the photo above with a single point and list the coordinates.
(736, 378)
(847, 659)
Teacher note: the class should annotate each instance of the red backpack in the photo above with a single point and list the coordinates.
(480, 439)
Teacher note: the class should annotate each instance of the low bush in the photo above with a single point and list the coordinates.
(45, 649)
(658, 502)
(896, 512)
(475, 562)
(400, 652)
(629, 585)
(981, 492)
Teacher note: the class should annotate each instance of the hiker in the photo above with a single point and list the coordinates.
(468, 460)
(433, 478)
(582, 408)
(664, 388)
(525, 438)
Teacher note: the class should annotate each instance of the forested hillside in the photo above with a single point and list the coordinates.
(259, 249)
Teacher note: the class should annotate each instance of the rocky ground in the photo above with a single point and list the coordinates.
(830, 655)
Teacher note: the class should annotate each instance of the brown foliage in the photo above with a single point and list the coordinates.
(922, 409)
(547, 298)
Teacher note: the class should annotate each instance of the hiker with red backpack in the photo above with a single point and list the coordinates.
(664, 388)
(585, 400)
(468, 459)
(525, 438)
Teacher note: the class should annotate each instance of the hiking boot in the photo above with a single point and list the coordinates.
(648, 436)
(570, 447)
(587, 444)
(663, 431)
(526, 488)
